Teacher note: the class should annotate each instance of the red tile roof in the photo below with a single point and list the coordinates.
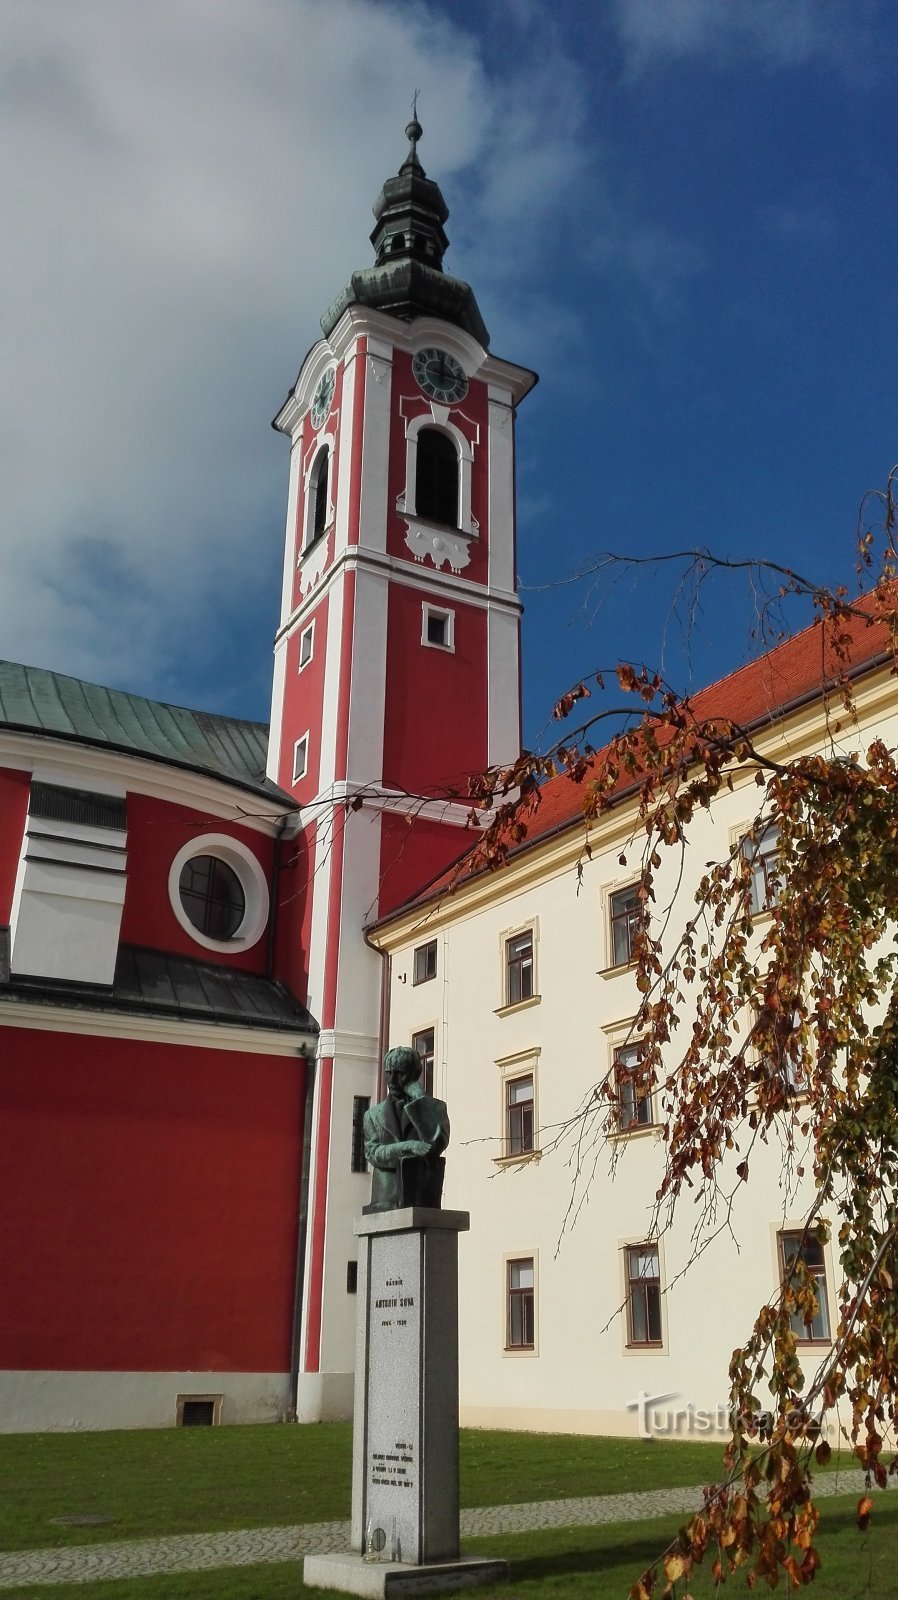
(761, 692)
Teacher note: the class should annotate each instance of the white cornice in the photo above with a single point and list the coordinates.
(340, 1043)
(155, 1030)
(376, 797)
(85, 765)
(353, 559)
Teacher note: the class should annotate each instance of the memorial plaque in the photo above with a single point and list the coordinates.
(393, 1443)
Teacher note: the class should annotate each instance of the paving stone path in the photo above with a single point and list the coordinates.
(141, 1558)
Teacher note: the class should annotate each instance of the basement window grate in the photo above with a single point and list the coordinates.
(199, 1410)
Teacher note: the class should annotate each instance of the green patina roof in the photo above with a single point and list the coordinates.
(34, 700)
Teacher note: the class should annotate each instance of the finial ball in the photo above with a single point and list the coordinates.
(414, 130)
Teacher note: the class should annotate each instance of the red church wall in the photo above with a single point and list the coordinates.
(156, 831)
(303, 698)
(151, 1195)
(14, 790)
(412, 853)
(294, 927)
(436, 733)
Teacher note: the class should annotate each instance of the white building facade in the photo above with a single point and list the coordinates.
(574, 1316)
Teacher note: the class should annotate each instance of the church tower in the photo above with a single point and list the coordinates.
(397, 669)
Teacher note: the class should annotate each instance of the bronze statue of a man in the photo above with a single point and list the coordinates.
(405, 1136)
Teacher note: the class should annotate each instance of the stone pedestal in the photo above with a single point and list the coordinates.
(405, 1430)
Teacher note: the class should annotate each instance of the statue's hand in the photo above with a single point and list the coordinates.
(415, 1147)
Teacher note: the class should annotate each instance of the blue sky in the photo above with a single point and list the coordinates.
(681, 212)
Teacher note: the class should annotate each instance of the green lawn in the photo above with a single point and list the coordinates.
(191, 1480)
(559, 1564)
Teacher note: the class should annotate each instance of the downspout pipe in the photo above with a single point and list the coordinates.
(386, 980)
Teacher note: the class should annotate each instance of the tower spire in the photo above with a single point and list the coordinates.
(409, 239)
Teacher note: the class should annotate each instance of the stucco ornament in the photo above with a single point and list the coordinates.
(443, 548)
(405, 1135)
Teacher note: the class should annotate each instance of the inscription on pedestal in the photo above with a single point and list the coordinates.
(394, 1356)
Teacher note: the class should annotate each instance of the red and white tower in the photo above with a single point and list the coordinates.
(397, 666)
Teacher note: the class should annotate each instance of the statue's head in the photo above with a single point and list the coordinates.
(402, 1065)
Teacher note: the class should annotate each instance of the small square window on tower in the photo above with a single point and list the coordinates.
(300, 758)
(306, 644)
(437, 627)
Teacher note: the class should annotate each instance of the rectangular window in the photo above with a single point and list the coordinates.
(643, 1295)
(360, 1104)
(423, 1042)
(763, 856)
(300, 758)
(519, 1115)
(793, 1247)
(306, 641)
(634, 1100)
(437, 627)
(352, 1277)
(425, 962)
(519, 968)
(626, 922)
(520, 1322)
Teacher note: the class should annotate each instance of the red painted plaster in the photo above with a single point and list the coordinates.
(436, 727)
(296, 882)
(151, 1197)
(412, 851)
(14, 791)
(156, 831)
(303, 703)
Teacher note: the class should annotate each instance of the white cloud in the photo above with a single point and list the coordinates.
(185, 186)
(656, 32)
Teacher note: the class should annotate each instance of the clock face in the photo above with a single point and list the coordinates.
(439, 375)
(324, 394)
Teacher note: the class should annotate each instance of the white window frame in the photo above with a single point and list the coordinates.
(778, 1229)
(739, 840)
(238, 856)
(427, 1027)
(445, 615)
(641, 1352)
(607, 893)
(519, 1352)
(428, 976)
(304, 741)
(323, 442)
(465, 451)
(523, 1064)
(509, 1006)
(620, 1035)
(307, 633)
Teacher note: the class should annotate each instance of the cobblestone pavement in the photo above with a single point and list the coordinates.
(140, 1558)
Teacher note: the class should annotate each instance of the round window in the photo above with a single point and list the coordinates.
(212, 896)
(218, 892)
